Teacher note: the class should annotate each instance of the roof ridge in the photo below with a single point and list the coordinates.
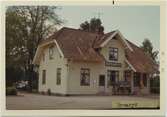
(85, 31)
(79, 30)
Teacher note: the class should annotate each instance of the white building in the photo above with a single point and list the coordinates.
(74, 62)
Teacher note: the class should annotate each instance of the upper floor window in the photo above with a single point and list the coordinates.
(58, 76)
(51, 49)
(85, 77)
(113, 54)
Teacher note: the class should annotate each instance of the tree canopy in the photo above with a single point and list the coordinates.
(94, 25)
(148, 48)
(26, 26)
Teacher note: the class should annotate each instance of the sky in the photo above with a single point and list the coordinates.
(135, 22)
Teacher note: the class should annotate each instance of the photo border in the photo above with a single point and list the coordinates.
(160, 112)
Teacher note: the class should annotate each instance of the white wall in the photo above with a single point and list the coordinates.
(51, 69)
(70, 79)
(121, 56)
(96, 69)
(74, 86)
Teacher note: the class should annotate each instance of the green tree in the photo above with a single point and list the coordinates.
(15, 47)
(95, 25)
(26, 26)
(85, 26)
(148, 48)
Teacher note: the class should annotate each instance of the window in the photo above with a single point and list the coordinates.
(101, 80)
(113, 54)
(136, 79)
(114, 38)
(85, 77)
(127, 75)
(113, 76)
(44, 77)
(58, 82)
(145, 80)
(51, 49)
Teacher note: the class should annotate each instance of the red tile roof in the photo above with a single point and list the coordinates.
(81, 46)
(77, 44)
(140, 60)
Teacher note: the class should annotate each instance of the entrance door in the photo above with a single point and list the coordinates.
(102, 83)
(113, 77)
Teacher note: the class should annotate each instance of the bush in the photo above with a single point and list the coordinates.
(49, 92)
(155, 90)
(155, 85)
(11, 91)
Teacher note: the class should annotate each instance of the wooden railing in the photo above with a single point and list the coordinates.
(122, 87)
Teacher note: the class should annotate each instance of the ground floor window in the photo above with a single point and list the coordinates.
(58, 76)
(113, 77)
(102, 80)
(43, 76)
(85, 77)
(136, 79)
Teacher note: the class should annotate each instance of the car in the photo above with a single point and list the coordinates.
(22, 85)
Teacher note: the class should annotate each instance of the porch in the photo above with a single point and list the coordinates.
(132, 83)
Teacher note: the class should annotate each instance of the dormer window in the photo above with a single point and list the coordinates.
(114, 38)
(51, 52)
(113, 54)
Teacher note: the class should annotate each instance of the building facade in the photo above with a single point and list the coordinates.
(75, 62)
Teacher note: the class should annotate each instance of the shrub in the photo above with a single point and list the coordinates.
(11, 91)
(49, 92)
(155, 85)
(155, 90)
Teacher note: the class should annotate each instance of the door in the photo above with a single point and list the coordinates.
(102, 83)
(113, 78)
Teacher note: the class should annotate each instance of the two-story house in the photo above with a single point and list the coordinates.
(72, 61)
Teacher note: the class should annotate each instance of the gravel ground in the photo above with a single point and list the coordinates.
(28, 101)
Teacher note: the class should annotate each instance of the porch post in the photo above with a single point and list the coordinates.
(132, 84)
(106, 83)
(141, 80)
(148, 82)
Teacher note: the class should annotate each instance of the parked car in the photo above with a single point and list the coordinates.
(23, 85)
